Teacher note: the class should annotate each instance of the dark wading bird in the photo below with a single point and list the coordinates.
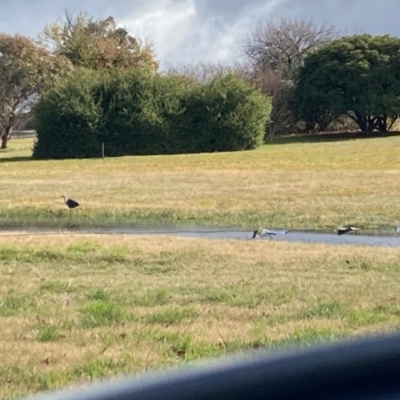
(266, 232)
(347, 228)
(70, 203)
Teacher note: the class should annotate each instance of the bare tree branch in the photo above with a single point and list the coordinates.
(283, 45)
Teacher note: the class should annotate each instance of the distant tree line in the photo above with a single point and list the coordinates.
(88, 82)
(318, 78)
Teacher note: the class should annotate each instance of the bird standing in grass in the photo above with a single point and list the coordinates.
(347, 228)
(266, 232)
(70, 204)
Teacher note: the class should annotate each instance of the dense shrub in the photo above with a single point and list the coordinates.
(68, 119)
(137, 112)
(142, 113)
(226, 115)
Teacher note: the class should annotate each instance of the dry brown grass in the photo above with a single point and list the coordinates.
(157, 301)
(298, 185)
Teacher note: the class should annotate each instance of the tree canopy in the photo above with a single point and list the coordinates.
(355, 75)
(26, 71)
(94, 44)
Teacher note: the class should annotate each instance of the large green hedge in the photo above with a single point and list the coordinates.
(136, 112)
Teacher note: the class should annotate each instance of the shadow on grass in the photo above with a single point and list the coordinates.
(15, 159)
(327, 137)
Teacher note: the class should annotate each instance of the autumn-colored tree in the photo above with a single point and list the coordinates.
(26, 71)
(95, 44)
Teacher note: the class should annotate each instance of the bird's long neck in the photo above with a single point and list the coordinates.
(65, 198)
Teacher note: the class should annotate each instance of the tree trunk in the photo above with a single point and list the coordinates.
(372, 122)
(309, 126)
(5, 137)
(324, 120)
(381, 124)
(366, 123)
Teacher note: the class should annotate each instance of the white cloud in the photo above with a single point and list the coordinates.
(186, 31)
(167, 24)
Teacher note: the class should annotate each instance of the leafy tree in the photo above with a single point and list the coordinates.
(26, 71)
(356, 75)
(94, 44)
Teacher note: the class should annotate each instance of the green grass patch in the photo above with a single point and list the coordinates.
(361, 317)
(96, 366)
(47, 333)
(322, 309)
(56, 287)
(171, 316)
(12, 304)
(147, 298)
(100, 312)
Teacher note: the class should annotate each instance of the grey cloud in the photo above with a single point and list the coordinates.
(349, 16)
(217, 26)
(37, 13)
(226, 10)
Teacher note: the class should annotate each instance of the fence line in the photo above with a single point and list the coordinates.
(23, 134)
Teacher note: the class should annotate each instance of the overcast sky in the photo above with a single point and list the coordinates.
(187, 31)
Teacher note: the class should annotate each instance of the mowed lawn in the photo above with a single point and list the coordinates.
(77, 307)
(294, 185)
(74, 308)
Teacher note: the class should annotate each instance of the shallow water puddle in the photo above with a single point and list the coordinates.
(369, 237)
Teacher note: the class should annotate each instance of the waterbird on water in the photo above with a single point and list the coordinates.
(347, 228)
(266, 232)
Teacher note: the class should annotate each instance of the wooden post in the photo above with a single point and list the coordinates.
(102, 150)
(271, 131)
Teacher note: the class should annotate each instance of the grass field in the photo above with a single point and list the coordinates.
(76, 307)
(295, 185)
